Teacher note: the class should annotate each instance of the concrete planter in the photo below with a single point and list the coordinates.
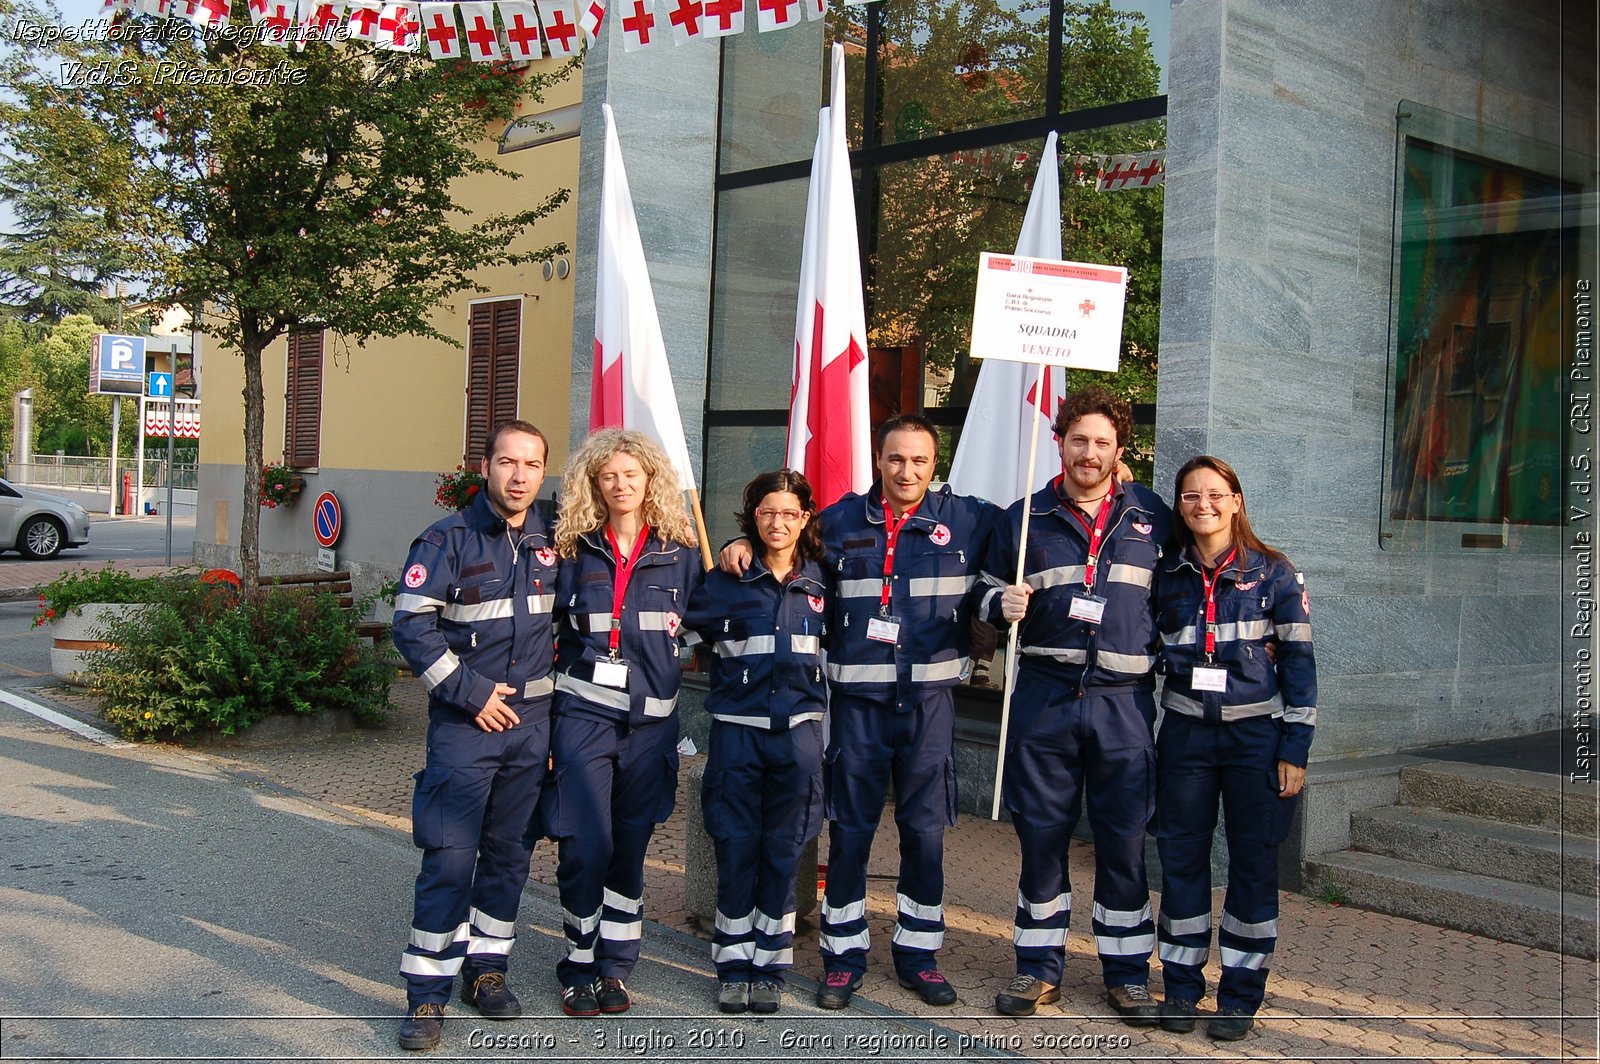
(76, 633)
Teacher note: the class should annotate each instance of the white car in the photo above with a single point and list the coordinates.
(39, 525)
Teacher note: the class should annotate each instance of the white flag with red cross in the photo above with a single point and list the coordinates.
(399, 27)
(111, 7)
(483, 40)
(1007, 411)
(439, 29)
(257, 9)
(640, 26)
(210, 13)
(277, 25)
(321, 21)
(828, 414)
(632, 380)
(721, 18)
(776, 14)
(591, 13)
(684, 17)
(560, 21)
(522, 29)
(363, 21)
(158, 8)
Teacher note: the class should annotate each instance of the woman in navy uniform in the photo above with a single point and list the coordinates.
(1240, 701)
(628, 569)
(763, 782)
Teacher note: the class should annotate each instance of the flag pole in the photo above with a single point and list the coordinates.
(700, 528)
(1016, 626)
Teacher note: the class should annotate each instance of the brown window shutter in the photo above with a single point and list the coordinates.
(302, 436)
(479, 345)
(492, 362)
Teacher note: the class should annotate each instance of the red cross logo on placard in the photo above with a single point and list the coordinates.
(779, 9)
(1087, 306)
(443, 33)
(723, 11)
(523, 35)
(363, 19)
(481, 36)
(640, 22)
(686, 14)
(561, 30)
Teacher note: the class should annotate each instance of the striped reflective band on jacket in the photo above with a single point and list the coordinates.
(765, 722)
(1132, 664)
(1273, 707)
(919, 587)
(416, 604)
(1068, 575)
(612, 698)
(758, 645)
(440, 670)
(885, 673)
(1227, 632)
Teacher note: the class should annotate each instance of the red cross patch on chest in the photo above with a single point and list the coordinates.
(940, 535)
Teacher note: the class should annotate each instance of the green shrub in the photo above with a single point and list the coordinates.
(70, 591)
(207, 657)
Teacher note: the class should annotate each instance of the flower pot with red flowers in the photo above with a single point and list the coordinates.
(280, 485)
(456, 490)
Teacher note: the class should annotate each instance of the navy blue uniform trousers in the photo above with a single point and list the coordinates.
(872, 745)
(1059, 748)
(1198, 763)
(762, 799)
(470, 813)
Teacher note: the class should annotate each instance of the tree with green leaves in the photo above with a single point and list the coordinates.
(274, 187)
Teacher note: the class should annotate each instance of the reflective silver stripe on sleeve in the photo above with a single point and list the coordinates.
(744, 648)
(1060, 576)
(860, 589)
(1121, 917)
(496, 610)
(804, 644)
(1235, 958)
(929, 586)
(916, 910)
(1122, 573)
(593, 692)
(1300, 715)
(1037, 937)
(1245, 630)
(923, 940)
(988, 599)
(541, 603)
(1135, 664)
(1183, 637)
(538, 688)
(1067, 654)
(490, 926)
(1189, 925)
(660, 707)
(801, 718)
(435, 674)
(1195, 955)
(1263, 929)
(939, 670)
(1044, 910)
(593, 623)
(861, 673)
(1124, 946)
(416, 604)
(1295, 633)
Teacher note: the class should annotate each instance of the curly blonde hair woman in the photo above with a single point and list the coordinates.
(583, 508)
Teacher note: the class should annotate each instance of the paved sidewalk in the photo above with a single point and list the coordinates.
(1346, 983)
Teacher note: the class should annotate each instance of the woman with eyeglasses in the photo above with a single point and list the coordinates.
(1240, 704)
(762, 793)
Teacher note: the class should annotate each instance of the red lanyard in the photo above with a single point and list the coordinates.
(619, 586)
(892, 532)
(1096, 533)
(1209, 582)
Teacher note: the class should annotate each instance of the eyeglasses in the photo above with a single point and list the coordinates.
(787, 516)
(1215, 498)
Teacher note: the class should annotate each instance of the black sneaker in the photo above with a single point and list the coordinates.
(611, 994)
(931, 985)
(489, 994)
(1178, 1015)
(580, 1001)
(837, 989)
(1024, 994)
(420, 1029)
(1134, 1004)
(1230, 1024)
(765, 995)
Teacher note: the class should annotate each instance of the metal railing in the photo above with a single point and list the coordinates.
(92, 474)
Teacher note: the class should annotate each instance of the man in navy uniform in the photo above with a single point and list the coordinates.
(473, 621)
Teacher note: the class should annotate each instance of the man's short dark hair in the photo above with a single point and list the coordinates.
(493, 439)
(1095, 400)
(905, 423)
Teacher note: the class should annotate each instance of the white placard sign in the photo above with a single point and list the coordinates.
(1046, 311)
(327, 561)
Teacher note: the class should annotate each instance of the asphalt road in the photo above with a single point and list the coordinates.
(155, 906)
(124, 539)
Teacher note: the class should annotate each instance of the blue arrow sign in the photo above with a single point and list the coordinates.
(160, 385)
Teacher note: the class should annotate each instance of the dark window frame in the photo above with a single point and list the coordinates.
(494, 364)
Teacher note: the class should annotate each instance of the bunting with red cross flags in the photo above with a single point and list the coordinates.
(683, 16)
(257, 9)
(640, 28)
(363, 24)
(483, 43)
(522, 29)
(591, 13)
(277, 25)
(721, 18)
(440, 31)
(1144, 170)
(399, 27)
(323, 20)
(210, 13)
(776, 14)
(560, 21)
(158, 8)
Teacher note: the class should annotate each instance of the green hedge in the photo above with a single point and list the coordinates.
(204, 656)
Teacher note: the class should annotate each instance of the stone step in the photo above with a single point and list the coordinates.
(1481, 905)
(1512, 796)
(1535, 856)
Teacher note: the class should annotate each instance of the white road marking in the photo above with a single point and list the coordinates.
(61, 720)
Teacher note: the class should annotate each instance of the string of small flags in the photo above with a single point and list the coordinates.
(524, 31)
(1107, 173)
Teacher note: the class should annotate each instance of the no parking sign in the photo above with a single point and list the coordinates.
(327, 518)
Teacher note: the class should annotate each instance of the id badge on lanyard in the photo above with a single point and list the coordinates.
(1211, 677)
(885, 627)
(1086, 605)
(612, 671)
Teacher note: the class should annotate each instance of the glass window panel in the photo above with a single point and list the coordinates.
(772, 86)
(754, 285)
(734, 455)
